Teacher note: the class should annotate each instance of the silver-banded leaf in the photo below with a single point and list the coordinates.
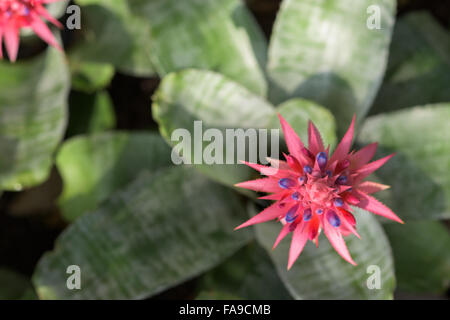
(249, 274)
(159, 231)
(220, 104)
(94, 166)
(219, 35)
(418, 71)
(298, 112)
(320, 273)
(421, 255)
(324, 51)
(33, 112)
(418, 173)
(112, 34)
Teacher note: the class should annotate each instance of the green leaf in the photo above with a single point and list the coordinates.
(90, 113)
(249, 274)
(418, 71)
(33, 111)
(418, 174)
(14, 286)
(111, 34)
(91, 76)
(220, 103)
(159, 231)
(298, 112)
(219, 35)
(94, 166)
(324, 51)
(320, 273)
(421, 255)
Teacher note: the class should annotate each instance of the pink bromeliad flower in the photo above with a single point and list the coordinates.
(18, 14)
(313, 190)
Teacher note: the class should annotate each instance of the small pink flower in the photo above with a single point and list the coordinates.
(18, 14)
(313, 191)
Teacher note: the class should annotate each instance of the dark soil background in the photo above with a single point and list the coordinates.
(30, 220)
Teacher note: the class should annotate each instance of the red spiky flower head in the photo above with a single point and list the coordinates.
(313, 190)
(18, 14)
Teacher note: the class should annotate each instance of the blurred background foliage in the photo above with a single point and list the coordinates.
(85, 170)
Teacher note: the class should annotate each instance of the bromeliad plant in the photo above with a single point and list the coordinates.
(313, 190)
(139, 225)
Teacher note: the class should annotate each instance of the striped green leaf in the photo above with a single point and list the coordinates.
(323, 50)
(418, 71)
(249, 274)
(220, 104)
(111, 34)
(33, 112)
(94, 166)
(418, 174)
(219, 35)
(159, 231)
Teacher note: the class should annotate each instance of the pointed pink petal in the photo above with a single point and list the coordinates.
(337, 241)
(346, 226)
(363, 156)
(269, 171)
(316, 167)
(298, 242)
(283, 233)
(343, 188)
(315, 143)
(280, 164)
(293, 163)
(343, 148)
(348, 216)
(12, 41)
(350, 198)
(313, 227)
(270, 213)
(293, 141)
(371, 204)
(369, 187)
(344, 231)
(268, 185)
(44, 13)
(41, 29)
(369, 168)
(332, 166)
